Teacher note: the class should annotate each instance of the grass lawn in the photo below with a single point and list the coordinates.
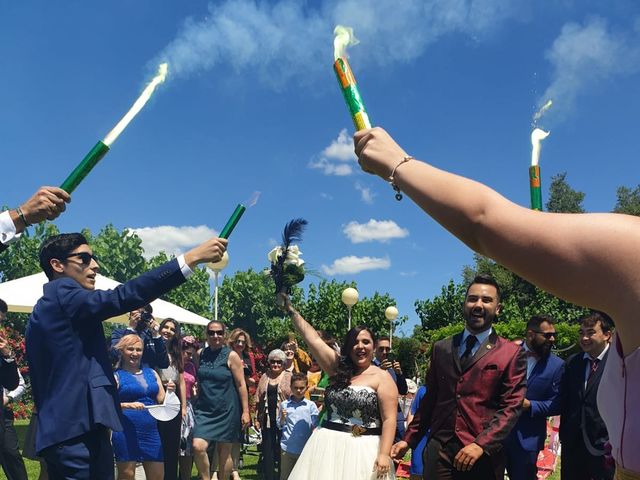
(33, 468)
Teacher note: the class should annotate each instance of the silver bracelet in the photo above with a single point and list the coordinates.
(392, 179)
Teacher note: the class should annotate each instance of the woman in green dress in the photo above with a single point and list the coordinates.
(222, 408)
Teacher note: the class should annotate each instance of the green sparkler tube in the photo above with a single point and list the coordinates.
(534, 187)
(233, 221)
(351, 94)
(84, 167)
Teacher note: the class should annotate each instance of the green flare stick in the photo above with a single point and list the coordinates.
(82, 170)
(351, 94)
(233, 221)
(534, 187)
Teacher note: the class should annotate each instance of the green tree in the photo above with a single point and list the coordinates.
(21, 258)
(443, 309)
(119, 253)
(247, 300)
(324, 309)
(628, 201)
(563, 198)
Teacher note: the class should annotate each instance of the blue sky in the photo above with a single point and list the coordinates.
(252, 103)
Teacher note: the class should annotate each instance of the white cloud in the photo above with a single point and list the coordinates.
(326, 196)
(412, 273)
(374, 231)
(365, 193)
(338, 158)
(583, 56)
(286, 39)
(171, 240)
(351, 264)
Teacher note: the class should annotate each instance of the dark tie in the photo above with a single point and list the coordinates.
(593, 369)
(466, 357)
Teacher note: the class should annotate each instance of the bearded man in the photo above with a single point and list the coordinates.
(476, 387)
(544, 378)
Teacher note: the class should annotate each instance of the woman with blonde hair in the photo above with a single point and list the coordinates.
(138, 387)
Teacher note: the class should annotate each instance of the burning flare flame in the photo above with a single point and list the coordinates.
(543, 109)
(536, 138)
(144, 97)
(344, 38)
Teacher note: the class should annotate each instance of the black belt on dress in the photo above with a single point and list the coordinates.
(355, 430)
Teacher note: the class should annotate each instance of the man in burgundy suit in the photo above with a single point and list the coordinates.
(476, 385)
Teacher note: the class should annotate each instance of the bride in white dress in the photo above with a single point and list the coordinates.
(361, 400)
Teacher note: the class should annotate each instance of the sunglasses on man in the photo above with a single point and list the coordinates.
(215, 333)
(547, 335)
(85, 257)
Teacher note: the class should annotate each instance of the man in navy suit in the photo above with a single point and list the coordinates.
(542, 400)
(73, 384)
(583, 434)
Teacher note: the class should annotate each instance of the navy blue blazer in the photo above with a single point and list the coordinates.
(543, 391)
(73, 384)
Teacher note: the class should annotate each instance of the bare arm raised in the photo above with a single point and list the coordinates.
(588, 259)
(326, 356)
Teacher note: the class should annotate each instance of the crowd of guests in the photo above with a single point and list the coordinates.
(485, 401)
(215, 380)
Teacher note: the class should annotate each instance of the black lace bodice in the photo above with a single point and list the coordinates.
(354, 405)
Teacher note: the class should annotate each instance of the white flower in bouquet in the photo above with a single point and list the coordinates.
(293, 256)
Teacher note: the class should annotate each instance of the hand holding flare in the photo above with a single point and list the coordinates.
(343, 38)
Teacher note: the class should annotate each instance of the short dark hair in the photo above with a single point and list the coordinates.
(536, 320)
(211, 322)
(4, 308)
(297, 377)
(384, 337)
(58, 246)
(485, 279)
(590, 320)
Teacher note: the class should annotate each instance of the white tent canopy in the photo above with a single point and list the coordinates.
(23, 293)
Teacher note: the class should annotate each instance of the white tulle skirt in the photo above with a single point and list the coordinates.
(329, 454)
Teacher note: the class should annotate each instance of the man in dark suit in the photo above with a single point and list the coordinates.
(46, 204)
(73, 384)
(544, 374)
(9, 378)
(582, 431)
(476, 384)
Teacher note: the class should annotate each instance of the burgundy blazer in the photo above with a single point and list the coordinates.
(482, 403)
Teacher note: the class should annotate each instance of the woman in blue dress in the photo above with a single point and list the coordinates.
(137, 387)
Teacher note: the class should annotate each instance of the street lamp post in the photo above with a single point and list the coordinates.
(350, 298)
(217, 268)
(391, 313)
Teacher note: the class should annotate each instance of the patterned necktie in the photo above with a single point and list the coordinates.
(466, 355)
(593, 369)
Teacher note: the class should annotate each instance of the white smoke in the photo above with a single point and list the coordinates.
(584, 56)
(290, 39)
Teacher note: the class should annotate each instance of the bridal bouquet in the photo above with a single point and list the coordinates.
(286, 265)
